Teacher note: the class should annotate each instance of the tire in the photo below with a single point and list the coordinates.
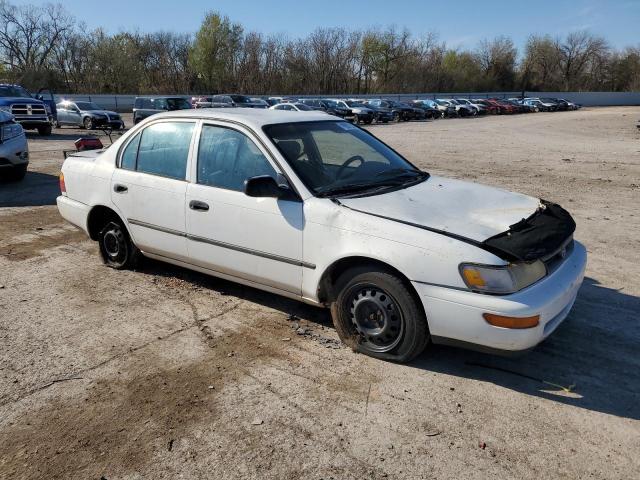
(116, 248)
(17, 173)
(87, 123)
(396, 117)
(58, 125)
(398, 333)
(45, 131)
(356, 119)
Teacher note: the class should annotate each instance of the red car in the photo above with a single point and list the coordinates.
(491, 107)
(505, 107)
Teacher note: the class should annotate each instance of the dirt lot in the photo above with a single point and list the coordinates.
(165, 373)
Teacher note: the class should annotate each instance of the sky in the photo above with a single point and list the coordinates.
(460, 23)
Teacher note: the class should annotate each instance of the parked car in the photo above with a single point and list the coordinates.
(313, 103)
(505, 107)
(381, 114)
(14, 150)
(87, 115)
(462, 109)
(260, 102)
(361, 112)
(337, 108)
(233, 100)
(291, 107)
(479, 108)
(144, 107)
(430, 108)
(542, 106)
(491, 107)
(321, 211)
(201, 102)
(30, 112)
(446, 109)
(401, 111)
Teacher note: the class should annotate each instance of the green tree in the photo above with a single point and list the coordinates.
(213, 56)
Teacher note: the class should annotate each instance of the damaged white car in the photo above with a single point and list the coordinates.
(320, 210)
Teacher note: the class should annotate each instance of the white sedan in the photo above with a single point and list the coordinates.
(292, 107)
(314, 208)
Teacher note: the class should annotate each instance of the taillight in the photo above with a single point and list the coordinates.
(63, 187)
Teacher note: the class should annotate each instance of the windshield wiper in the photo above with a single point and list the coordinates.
(402, 172)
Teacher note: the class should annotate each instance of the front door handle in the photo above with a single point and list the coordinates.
(119, 188)
(198, 205)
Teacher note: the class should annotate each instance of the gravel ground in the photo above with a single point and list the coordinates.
(165, 373)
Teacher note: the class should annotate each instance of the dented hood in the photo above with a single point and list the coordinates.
(465, 209)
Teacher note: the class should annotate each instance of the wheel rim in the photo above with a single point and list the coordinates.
(376, 317)
(114, 245)
(87, 124)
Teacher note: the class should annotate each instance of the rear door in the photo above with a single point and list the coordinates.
(149, 186)
(257, 239)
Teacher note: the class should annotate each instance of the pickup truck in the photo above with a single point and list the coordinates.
(314, 208)
(33, 113)
(14, 150)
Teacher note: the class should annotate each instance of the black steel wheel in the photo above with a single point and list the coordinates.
(377, 314)
(116, 247)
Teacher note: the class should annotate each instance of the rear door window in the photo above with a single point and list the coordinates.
(164, 149)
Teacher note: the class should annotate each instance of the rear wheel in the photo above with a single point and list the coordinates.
(376, 314)
(116, 247)
(16, 173)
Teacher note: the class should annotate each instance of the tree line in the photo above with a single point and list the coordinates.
(46, 46)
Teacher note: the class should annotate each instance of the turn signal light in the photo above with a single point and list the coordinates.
(511, 322)
(63, 187)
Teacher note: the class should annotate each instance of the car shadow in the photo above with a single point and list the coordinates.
(37, 189)
(593, 354)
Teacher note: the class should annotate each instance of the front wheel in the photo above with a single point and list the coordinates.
(87, 123)
(375, 313)
(116, 247)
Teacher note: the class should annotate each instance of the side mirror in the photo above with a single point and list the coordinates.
(264, 186)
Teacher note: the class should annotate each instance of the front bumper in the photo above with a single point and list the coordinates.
(455, 316)
(14, 152)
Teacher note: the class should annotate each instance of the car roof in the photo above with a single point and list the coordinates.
(252, 117)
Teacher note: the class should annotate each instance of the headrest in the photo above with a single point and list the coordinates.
(291, 149)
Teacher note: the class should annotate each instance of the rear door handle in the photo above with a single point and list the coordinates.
(119, 188)
(198, 205)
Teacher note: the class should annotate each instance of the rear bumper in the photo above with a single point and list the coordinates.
(74, 212)
(14, 152)
(455, 316)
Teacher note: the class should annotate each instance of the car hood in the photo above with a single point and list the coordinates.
(24, 100)
(466, 209)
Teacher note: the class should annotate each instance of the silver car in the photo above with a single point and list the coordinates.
(87, 115)
(14, 151)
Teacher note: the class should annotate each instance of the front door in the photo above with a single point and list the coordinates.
(149, 187)
(257, 239)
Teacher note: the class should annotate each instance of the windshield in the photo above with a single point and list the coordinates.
(178, 104)
(87, 106)
(338, 158)
(442, 102)
(356, 104)
(13, 91)
(302, 107)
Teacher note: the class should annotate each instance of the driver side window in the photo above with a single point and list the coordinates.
(226, 158)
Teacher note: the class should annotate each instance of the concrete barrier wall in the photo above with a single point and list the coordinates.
(124, 103)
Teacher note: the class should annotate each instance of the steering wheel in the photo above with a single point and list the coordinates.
(349, 161)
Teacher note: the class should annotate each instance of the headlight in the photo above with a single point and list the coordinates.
(502, 279)
(9, 131)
